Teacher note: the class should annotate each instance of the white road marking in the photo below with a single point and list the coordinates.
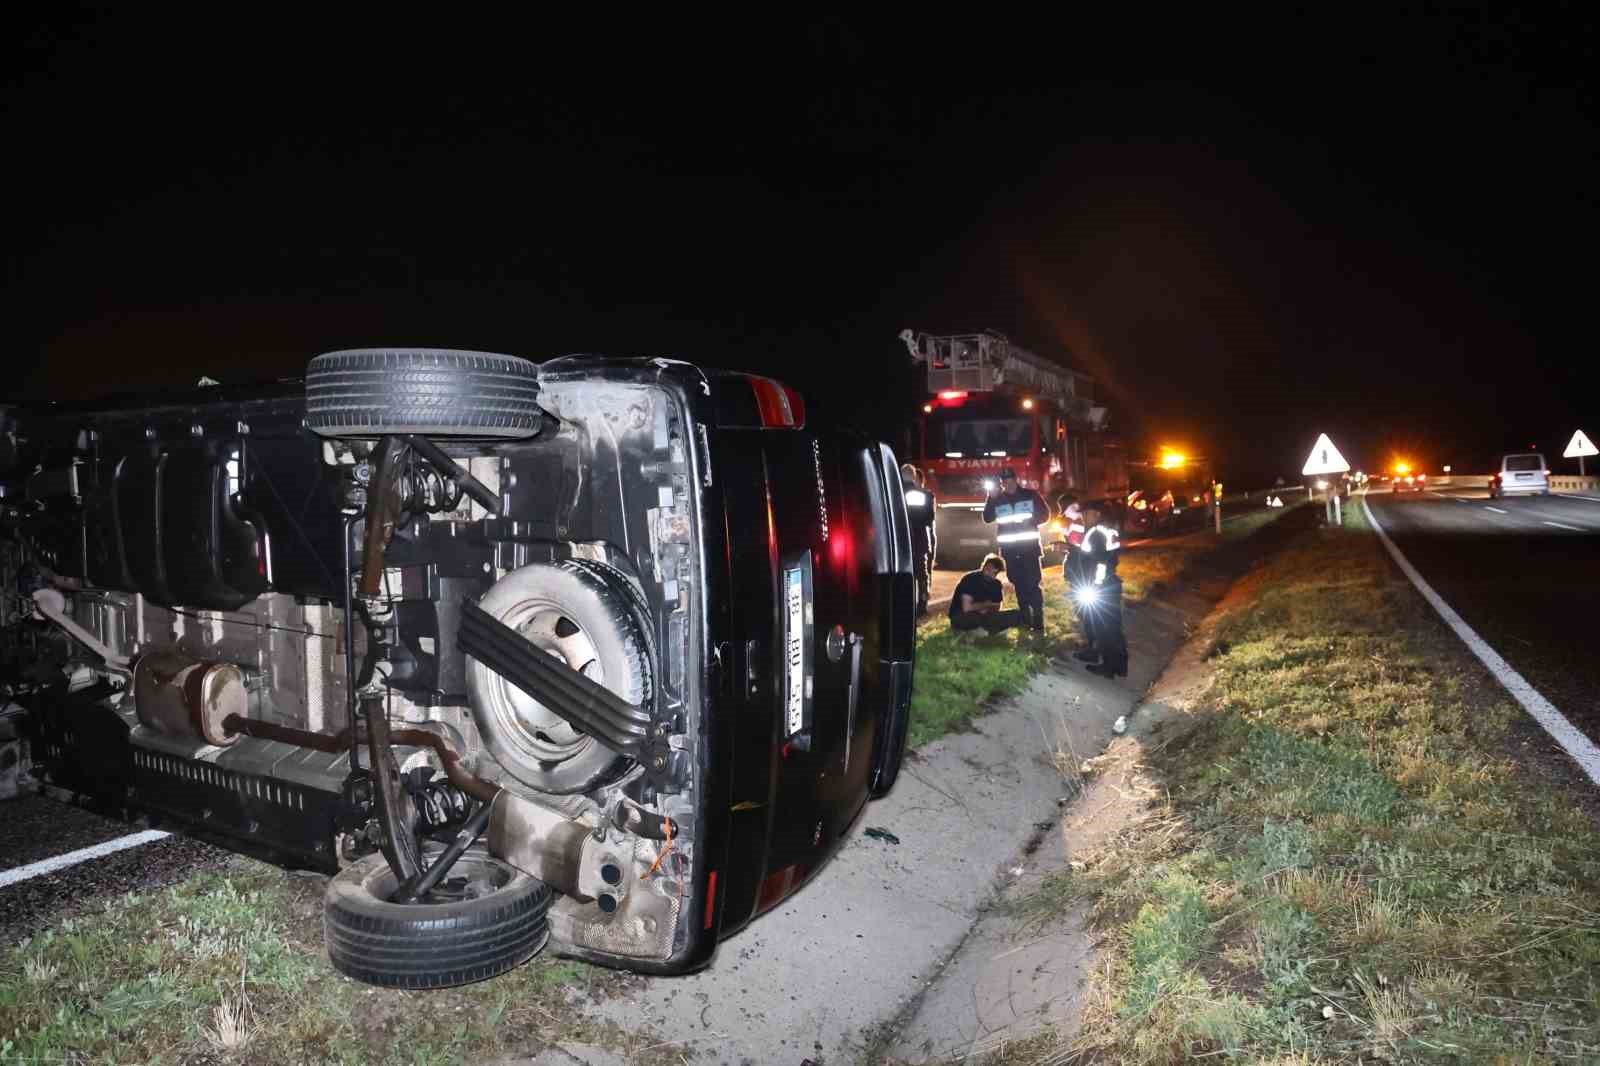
(1575, 496)
(1563, 525)
(1496, 510)
(1574, 743)
(73, 858)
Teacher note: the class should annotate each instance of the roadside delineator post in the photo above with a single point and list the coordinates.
(1324, 461)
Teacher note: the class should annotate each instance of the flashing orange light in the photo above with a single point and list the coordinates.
(1402, 468)
(1027, 404)
(1171, 460)
(952, 394)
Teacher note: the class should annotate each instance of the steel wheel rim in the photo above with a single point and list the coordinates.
(548, 626)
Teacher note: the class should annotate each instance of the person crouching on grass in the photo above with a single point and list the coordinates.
(975, 604)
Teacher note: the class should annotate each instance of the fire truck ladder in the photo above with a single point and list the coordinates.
(982, 362)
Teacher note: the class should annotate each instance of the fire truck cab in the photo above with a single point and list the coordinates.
(993, 404)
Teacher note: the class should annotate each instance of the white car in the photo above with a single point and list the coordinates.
(1521, 474)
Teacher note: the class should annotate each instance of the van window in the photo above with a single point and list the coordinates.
(1524, 462)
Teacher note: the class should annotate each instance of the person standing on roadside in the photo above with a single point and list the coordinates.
(1102, 596)
(1072, 514)
(975, 604)
(920, 505)
(1019, 512)
(1073, 576)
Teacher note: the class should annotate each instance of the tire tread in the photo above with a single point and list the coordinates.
(374, 391)
(431, 946)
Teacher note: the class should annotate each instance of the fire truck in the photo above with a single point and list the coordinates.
(993, 404)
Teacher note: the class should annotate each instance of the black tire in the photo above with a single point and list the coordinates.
(600, 602)
(372, 392)
(433, 945)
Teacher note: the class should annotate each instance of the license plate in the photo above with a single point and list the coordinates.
(794, 650)
(1521, 477)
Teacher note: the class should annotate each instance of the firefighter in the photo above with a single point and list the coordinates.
(1073, 515)
(1101, 595)
(924, 544)
(1019, 512)
(1073, 576)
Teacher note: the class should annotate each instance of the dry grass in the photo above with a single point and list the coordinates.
(232, 1020)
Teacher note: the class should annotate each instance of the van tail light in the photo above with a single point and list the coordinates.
(711, 898)
(781, 406)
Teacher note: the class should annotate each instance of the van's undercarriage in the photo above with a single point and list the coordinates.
(472, 654)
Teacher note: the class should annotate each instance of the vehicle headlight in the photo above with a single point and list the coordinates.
(1087, 596)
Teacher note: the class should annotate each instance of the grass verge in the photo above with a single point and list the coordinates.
(1353, 860)
(229, 967)
(958, 676)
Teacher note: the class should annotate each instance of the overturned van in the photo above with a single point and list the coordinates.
(607, 653)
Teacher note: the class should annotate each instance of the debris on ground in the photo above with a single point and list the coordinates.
(879, 833)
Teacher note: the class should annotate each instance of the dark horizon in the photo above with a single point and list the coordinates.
(1375, 228)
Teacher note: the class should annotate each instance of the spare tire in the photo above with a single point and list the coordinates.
(590, 616)
(373, 392)
(453, 937)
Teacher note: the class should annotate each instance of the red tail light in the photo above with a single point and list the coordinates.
(711, 898)
(781, 407)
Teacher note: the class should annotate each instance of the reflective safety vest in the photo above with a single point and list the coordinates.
(1018, 517)
(916, 498)
(1103, 547)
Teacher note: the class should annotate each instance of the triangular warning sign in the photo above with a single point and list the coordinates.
(1580, 445)
(1324, 459)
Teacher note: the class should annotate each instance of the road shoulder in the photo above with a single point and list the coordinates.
(1017, 985)
(1337, 846)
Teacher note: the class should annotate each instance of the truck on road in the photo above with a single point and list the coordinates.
(992, 404)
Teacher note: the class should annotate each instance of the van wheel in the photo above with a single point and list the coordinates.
(373, 392)
(485, 918)
(588, 615)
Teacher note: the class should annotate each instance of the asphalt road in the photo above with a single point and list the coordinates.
(1524, 573)
(38, 827)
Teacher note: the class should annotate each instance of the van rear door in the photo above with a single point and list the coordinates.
(827, 622)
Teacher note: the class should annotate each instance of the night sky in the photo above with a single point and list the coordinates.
(1382, 227)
